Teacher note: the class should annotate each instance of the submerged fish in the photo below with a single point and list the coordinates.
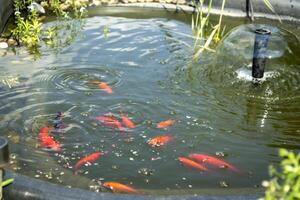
(89, 158)
(58, 120)
(121, 188)
(110, 121)
(211, 160)
(165, 124)
(160, 140)
(46, 141)
(103, 86)
(126, 121)
(190, 163)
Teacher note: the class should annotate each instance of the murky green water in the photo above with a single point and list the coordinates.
(147, 62)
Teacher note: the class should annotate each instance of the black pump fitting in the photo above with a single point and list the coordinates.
(259, 54)
(4, 158)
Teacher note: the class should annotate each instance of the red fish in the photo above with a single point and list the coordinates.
(121, 188)
(165, 124)
(190, 163)
(126, 121)
(46, 141)
(89, 158)
(110, 121)
(203, 158)
(160, 140)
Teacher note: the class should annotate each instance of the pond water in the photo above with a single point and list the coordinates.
(147, 63)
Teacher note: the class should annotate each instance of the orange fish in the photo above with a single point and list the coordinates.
(120, 188)
(126, 121)
(110, 121)
(165, 124)
(89, 158)
(203, 158)
(103, 86)
(46, 141)
(190, 163)
(160, 140)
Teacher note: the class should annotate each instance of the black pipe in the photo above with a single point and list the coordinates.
(259, 54)
(249, 10)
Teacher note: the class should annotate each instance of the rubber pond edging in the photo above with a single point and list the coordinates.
(25, 188)
(6, 10)
(288, 10)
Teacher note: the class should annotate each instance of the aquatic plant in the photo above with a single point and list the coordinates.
(28, 26)
(205, 33)
(284, 184)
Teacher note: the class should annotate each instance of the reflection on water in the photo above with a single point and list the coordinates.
(148, 65)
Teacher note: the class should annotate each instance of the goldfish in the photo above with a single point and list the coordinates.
(89, 158)
(203, 158)
(121, 188)
(126, 121)
(160, 140)
(110, 121)
(103, 86)
(190, 163)
(165, 124)
(47, 141)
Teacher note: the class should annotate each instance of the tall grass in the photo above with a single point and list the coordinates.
(204, 32)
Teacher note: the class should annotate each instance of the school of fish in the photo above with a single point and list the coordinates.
(198, 161)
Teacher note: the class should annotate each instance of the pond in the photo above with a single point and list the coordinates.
(140, 67)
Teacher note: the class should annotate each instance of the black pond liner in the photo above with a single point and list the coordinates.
(24, 187)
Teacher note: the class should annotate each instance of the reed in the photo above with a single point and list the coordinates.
(207, 35)
(204, 32)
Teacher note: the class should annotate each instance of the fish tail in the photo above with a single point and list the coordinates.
(77, 166)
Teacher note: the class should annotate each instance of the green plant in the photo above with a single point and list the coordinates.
(284, 184)
(27, 30)
(203, 31)
(205, 34)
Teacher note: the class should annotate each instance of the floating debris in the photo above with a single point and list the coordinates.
(221, 154)
(223, 184)
(10, 81)
(146, 171)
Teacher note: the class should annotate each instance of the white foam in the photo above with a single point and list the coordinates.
(245, 74)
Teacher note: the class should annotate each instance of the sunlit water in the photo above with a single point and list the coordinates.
(147, 62)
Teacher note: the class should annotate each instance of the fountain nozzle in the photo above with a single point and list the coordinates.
(259, 55)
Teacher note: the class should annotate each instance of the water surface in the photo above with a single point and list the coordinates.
(148, 64)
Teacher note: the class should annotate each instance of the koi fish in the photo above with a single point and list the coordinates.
(203, 158)
(165, 124)
(89, 158)
(190, 163)
(103, 86)
(160, 140)
(120, 188)
(126, 121)
(110, 121)
(46, 141)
